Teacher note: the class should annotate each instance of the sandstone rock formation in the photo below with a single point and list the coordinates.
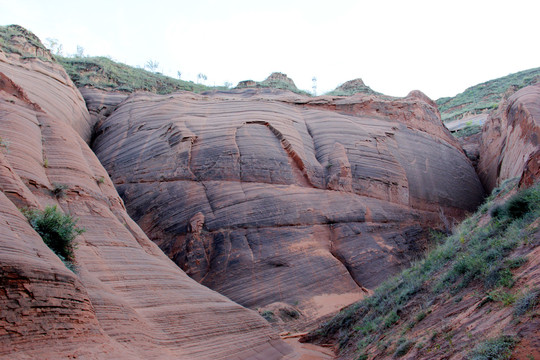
(46, 84)
(101, 103)
(510, 140)
(302, 197)
(127, 300)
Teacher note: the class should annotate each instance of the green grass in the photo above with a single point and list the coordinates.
(103, 73)
(499, 348)
(57, 230)
(526, 302)
(8, 42)
(403, 347)
(483, 97)
(467, 131)
(472, 254)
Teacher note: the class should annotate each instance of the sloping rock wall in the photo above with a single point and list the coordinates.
(299, 197)
(127, 300)
(510, 145)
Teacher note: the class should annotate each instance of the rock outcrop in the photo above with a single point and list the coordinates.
(46, 84)
(352, 87)
(127, 300)
(276, 80)
(301, 197)
(510, 140)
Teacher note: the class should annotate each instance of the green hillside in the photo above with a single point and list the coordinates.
(484, 96)
(104, 73)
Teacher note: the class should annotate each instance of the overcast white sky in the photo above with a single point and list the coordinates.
(438, 47)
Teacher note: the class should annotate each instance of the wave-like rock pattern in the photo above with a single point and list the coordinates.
(127, 299)
(295, 200)
(510, 145)
(46, 84)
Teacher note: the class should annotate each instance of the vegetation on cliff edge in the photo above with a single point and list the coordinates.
(485, 96)
(57, 230)
(13, 39)
(103, 73)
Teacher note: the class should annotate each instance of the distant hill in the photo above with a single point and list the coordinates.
(485, 96)
(276, 80)
(352, 87)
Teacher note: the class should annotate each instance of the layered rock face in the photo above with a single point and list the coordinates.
(510, 145)
(127, 300)
(267, 196)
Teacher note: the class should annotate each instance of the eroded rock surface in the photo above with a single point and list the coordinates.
(46, 84)
(127, 299)
(510, 145)
(301, 197)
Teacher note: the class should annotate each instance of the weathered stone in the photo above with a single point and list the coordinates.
(302, 197)
(127, 299)
(510, 145)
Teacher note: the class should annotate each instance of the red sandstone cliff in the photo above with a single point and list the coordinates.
(510, 140)
(127, 300)
(300, 197)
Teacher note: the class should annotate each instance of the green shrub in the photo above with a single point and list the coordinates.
(391, 319)
(420, 316)
(366, 328)
(56, 229)
(268, 315)
(505, 297)
(494, 349)
(526, 302)
(518, 205)
(59, 190)
(403, 348)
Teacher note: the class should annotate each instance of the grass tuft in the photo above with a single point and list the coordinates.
(499, 348)
(526, 302)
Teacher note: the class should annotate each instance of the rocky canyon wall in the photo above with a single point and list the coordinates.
(267, 196)
(126, 300)
(510, 144)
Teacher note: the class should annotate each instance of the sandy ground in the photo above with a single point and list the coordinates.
(308, 351)
(330, 303)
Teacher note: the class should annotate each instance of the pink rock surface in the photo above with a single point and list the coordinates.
(510, 140)
(301, 197)
(127, 299)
